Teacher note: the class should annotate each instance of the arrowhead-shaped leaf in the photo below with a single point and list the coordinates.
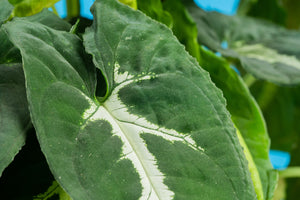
(161, 131)
(264, 49)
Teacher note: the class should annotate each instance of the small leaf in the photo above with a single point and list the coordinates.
(131, 3)
(24, 8)
(53, 191)
(5, 10)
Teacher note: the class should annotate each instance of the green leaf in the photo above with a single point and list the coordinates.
(154, 9)
(53, 191)
(8, 52)
(5, 10)
(161, 132)
(14, 115)
(246, 115)
(264, 49)
(28, 174)
(131, 3)
(24, 8)
(49, 19)
(184, 27)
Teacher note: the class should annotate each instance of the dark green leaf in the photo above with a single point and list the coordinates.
(5, 10)
(14, 115)
(161, 132)
(28, 174)
(154, 9)
(267, 51)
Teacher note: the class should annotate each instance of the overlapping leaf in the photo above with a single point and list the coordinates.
(14, 116)
(5, 10)
(246, 115)
(30, 7)
(267, 51)
(158, 103)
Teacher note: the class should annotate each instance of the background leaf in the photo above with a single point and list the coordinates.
(246, 115)
(30, 7)
(5, 10)
(265, 50)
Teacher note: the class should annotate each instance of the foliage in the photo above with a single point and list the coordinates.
(134, 107)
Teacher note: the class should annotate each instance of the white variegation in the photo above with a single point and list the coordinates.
(260, 52)
(128, 128)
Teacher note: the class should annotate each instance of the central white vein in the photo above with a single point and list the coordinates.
(128, 128)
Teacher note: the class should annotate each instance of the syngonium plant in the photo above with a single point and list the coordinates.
(123, 111)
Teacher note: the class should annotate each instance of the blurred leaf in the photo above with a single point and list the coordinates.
(154, 9)
(54, 191)
(24, 8)
(5, 10)
(245, 114)
(184, 27)
(293, 15)
(271, 10)
(281, 108)
(131, 3)
(264, 49)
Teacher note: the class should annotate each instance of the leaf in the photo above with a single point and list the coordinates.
(14, 115)
(246, 115)
(184, 27)
(49, 19)
(24, 8)
(267, 51)
(159, 102)
(28, 174)
(154, 9)
(131, 3)
(281, 109)
(53, 191)
(5, 10)
(8, 53)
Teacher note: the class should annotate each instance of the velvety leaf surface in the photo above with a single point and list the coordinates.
(14, 115)
(5, 10)
(246, 115)
(30, 7)
(161, 131)
(264, 49)
(161, 95)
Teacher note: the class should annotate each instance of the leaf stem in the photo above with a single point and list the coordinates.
(73, 8)
(290, 172)
(249, 80)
